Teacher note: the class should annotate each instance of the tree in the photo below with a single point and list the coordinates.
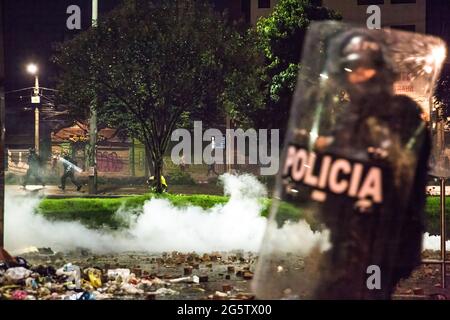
(152, 66)
(282, 35)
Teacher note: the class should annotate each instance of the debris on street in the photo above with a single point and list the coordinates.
(43, 274)
(80, 275)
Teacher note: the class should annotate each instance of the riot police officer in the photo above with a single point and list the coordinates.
(376, 128)
(69, 173)
(34, 164)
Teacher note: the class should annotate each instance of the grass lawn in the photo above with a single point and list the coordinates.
(433, 214)
(95, 213)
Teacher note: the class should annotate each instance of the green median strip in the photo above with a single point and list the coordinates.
(100, 212)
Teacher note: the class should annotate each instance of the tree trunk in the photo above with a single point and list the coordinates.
(158, 142)
(155, 159)
(158, 173)
(149, 167)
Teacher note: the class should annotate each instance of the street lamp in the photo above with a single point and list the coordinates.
(32, 68)
(35, 99)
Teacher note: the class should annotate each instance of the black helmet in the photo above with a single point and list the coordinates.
(355, 49)
(362, 51)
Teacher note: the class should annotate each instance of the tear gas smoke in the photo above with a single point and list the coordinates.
(236, 225)
(433, 242)
(161, 227)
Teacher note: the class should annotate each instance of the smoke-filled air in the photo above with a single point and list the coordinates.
(236, 225)
(161, 227)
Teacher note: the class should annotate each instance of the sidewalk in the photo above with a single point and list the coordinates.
(52, 191)
(109, 191)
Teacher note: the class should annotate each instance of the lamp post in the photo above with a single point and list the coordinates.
(35, 99)
(92, 184)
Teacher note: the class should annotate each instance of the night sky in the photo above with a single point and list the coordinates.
(31, 28)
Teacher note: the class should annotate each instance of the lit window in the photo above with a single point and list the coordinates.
(263, 4)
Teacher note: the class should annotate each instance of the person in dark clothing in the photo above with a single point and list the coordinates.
(34, 164)
(212, 169)
(380, 129)
(69, 173)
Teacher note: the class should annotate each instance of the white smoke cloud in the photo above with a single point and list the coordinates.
(296, 237)
(162, 227)
(433, 242)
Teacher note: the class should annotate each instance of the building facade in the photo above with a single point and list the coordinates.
(260, 8)
(402, 14)
(438, 20)
(116, 156)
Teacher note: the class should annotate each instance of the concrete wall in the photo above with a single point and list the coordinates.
(256, 13)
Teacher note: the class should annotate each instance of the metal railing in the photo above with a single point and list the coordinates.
(443, 262)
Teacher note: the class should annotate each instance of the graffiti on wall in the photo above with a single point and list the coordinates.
(109, 162)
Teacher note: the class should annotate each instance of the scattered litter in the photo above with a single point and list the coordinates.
(73, 273)
(17, 274)
(19, 295)
(131, 289)
(94, 276)
(116, 273)
(166, 292)
(193, 279)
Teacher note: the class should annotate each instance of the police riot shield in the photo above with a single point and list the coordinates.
(347, 220)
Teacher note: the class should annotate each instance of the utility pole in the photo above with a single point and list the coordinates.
(4, 256)
(36, 113)
(35, 100)
(92, 184)
(36, 129)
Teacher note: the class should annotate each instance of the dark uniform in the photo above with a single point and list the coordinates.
(69, 172)
(378, 128)
(34, 163)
